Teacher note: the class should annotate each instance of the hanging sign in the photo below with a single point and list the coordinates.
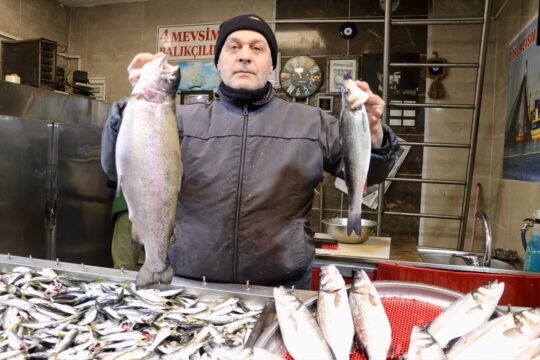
(188, 42)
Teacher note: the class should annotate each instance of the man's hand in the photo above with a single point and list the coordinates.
(374, 108)
(134, 68)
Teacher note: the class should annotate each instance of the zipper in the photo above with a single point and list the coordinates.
(239, 192)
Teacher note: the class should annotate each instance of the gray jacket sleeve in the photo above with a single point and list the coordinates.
(109, 136)
(382, 159)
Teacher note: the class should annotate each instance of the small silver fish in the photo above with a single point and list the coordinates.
(369, 317)
(334, 313)
(355, 138)
(501, 338)
(105, 320)
(66, 341)
(466, 313)
(530, 351)
(299, 330)
(423, 346)
(10, 320)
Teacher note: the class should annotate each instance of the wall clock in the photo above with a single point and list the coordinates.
(300, 77)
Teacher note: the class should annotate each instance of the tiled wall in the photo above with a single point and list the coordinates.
(507, 202)
(25, 19)
(458, 44)
(108, 36)
(30, 19)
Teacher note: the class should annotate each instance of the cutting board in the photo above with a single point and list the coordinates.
(374, 247)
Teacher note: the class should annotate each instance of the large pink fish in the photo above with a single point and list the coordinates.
(149, 166)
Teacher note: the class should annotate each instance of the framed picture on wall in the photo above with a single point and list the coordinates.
(325, 103)
(340, 68)
(198, 75)
(196, 97)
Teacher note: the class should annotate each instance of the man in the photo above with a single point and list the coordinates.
(251, 162)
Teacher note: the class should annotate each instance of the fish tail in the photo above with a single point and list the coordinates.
(119, 185)
(354, 222)
(146, 278)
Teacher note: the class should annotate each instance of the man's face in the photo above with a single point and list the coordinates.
(245, 60)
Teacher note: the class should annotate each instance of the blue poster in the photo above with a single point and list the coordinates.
(198, 75)
(522, 131)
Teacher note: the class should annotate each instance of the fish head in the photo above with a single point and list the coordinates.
(330, 279)
(158, 80)
(528, 321)
(421, 337)
(360, 277)
(489, 291)
(286, 299)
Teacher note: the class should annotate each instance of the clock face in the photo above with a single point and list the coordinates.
(300, 77)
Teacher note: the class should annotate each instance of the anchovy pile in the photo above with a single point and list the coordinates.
(44, 315)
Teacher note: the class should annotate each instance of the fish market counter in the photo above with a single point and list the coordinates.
(84, 297)
(98, 312)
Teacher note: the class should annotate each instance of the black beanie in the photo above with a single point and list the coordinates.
(246, 22)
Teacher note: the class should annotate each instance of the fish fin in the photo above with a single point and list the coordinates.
(373, 299)
(147, 278)
(354, 222)
(365, 122)
(449, 344)
(475, 308)
(360, 347)
(135, 233)
(293, 322)
(391, 350)
(513, 332)
(337, 300)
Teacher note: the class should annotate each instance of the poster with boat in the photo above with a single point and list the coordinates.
(198, 75)
(522, 132)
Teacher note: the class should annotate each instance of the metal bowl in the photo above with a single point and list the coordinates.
(337, 229)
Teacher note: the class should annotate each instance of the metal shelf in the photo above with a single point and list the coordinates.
(424, 215)
(445, 21)
(402, 21)
(432, 144)
(429, 181)
(471, 146)
(430, 105)
(453, 65)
